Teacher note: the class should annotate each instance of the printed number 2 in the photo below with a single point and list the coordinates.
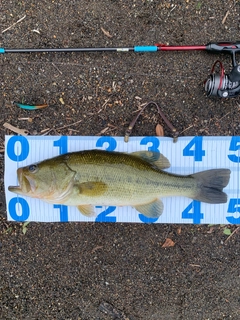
(234, 207)
(102, 217)
(198, 152)
(112, 144)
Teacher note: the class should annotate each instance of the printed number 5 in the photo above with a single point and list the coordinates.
(234, 146)
(234, 207)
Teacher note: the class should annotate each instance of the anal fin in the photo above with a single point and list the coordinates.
(151, 210)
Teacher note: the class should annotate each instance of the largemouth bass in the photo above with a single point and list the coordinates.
(94, 177)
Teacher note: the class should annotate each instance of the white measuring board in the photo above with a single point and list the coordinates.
(188, 155)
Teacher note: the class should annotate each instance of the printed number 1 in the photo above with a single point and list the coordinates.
(63, 212)
(62, 143)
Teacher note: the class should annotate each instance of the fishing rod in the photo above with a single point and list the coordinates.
(218, 83)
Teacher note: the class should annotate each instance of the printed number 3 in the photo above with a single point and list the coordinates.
(154, 141)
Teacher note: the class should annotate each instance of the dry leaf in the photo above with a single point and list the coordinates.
(106, 33)
(168, 243)
(159, 130)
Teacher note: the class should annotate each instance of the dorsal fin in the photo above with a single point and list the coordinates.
(154, 158)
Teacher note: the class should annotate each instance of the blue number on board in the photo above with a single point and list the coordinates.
(63, 212)
(62, 143)
(195, 215)
(154, 148)
(146, 219)
(11, 148)
(102, 217)
(233, 207)
(197, 152)
(112, 143)
(18, 201)
(154, 141)
(234, 146)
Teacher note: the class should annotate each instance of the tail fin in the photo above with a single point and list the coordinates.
(210, 184)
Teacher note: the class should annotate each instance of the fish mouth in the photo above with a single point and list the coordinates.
(26, 184)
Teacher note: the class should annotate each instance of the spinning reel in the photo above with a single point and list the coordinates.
(220, 84)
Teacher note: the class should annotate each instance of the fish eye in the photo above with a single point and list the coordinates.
(33, 168)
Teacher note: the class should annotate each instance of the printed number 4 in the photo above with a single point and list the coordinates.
(196, 215)
(198, 153)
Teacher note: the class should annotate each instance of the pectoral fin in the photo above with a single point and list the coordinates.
(154, 158)
(87, 210)
(91, 188)
(151, 210)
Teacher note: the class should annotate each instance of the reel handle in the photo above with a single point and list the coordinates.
(225, 47)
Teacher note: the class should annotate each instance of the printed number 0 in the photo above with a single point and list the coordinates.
(11, 146)
(25, 211)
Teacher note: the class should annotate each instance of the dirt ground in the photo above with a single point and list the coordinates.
(116, 271)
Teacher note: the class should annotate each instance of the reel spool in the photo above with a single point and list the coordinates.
(223, 85)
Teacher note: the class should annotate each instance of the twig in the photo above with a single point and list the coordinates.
(22, 132)
(14, 24)
(225, 17)
(186, 129)
(57, 68)
(223, 116)
(236, 230)
(106, 33)
(68, 125)
(103, 131)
